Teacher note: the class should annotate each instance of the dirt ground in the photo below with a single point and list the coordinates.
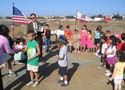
(82, 71)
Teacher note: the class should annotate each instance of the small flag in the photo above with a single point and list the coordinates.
(107, 19)
(19, 17)
(82, 18)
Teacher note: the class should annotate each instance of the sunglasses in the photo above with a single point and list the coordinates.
(33, 17)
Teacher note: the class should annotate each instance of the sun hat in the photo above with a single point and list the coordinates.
(62, 39)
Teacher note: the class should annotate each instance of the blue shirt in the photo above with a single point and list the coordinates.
(97, 34)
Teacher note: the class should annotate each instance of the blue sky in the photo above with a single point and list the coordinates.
(63, 7)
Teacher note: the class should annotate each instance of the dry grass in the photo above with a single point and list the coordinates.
(115, 27)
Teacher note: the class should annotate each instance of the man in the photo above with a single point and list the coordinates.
(38, 28)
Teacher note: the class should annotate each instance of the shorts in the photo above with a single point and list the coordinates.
(69, 42)
(76, 45)
(111, 60)
(19, 56)
(32, 68)
(63, 71)
(97, 41)
(118, 80)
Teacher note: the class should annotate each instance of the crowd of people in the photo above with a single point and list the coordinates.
(111, 52)
(110, 49)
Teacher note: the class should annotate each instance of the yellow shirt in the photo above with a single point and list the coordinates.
(120, 69)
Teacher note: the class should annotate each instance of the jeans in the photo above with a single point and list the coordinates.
(47, 43)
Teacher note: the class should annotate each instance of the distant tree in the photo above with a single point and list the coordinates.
(1, 17)
(100, 15)
(8, 17)
(117, 16)
(69, 17)
(40, 17)
(92, 17)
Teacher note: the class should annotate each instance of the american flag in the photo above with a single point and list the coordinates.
(19, 17)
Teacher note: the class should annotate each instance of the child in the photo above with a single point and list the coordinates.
(76, 39)
(20, 55)
(118, 72)
(97, 34)
(90, 41)
(68, 35)
(33, 56)
(111, 54)
(108, 34)
(47, 35)
(63, 60)
(103, 46)
(83, 38)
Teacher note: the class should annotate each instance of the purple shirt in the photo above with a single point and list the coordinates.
(5, 46)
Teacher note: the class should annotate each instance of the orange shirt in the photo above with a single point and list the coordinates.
(68, 34)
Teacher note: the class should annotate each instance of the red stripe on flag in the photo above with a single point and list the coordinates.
(82, 20)
(20, 20)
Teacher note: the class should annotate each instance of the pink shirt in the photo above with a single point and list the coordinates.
(5, 46)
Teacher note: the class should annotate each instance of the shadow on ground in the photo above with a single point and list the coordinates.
(53, 52)
(72, 70)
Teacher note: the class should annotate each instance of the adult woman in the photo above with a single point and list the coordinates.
(5, 46)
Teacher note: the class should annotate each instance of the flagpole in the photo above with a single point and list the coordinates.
(12, 19)
(76, 20)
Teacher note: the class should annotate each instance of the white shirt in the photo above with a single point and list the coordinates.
(59, 32)
(34, 25)
(110, 50)
(63, 55)
(103, 49)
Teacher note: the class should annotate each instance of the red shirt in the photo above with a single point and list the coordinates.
(120, 46)
(68, 33)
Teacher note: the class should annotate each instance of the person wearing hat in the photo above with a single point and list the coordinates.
(62, 59)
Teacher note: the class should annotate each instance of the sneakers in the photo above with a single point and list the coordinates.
(96, 54)
(100, 66)
(12, 74)
(35, 84)
(63, 84)
(30, 83)
(107, 71)
(108, 74)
